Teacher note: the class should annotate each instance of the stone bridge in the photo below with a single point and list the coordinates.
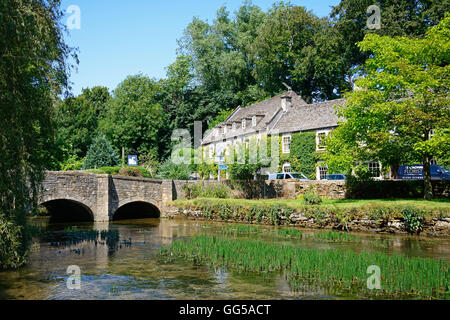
(80, 196)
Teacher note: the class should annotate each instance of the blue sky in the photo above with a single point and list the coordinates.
(118, 38)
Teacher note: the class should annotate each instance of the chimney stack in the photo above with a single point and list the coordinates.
(286, 103)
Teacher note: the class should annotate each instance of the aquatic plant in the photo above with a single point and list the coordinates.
(291, 233)
(400, 276)
(413, 218)
(335, 236)
(240, 228)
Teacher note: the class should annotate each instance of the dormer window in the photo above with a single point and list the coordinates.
(254, 121)
(243, 124)
(234, 126)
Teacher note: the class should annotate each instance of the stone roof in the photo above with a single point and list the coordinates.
(269, 114)
(309, 117)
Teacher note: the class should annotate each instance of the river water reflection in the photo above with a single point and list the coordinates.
(133, 269)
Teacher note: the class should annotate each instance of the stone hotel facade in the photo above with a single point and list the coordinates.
(284, 115)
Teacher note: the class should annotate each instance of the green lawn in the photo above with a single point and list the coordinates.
(346, 203)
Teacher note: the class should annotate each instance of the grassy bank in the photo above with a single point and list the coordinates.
(434, 205)
(400, 275)
(412, 216)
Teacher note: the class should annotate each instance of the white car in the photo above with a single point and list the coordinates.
(288, 175)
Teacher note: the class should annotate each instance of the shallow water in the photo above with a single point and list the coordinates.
(133, 268)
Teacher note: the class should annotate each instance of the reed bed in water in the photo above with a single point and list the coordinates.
(290, 233)
(335, 236)
(400, 275)
(240, 228)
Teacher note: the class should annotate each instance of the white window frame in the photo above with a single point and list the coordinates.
(286, 150)
(244, 124)
(318, 133)
(254, 121)
(322, 171)
(287, 165)
(211, 151)
(372, 168)
(234, 126)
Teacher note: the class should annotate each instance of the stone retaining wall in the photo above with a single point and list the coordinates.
(432, 227)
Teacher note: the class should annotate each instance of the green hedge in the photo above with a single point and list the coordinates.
(382, 189)
(125, 171)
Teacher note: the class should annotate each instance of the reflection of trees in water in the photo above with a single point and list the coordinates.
(74, 236)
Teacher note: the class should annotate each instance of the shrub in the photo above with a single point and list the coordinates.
(170, 170)
(130, 172)
(413, 218)
(311, 198)
(72, 163)
(110, 170)
(12, 253)
(95, 171)
(197, 190)
(100, 154)
(220, 191)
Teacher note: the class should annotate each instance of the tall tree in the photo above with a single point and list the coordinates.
(77, 119)
(403, 100)
(398, 18)
(100, 154)
(222, 57)
(33, 71)
(134, 118)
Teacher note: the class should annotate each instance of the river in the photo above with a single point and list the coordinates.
(133, 268)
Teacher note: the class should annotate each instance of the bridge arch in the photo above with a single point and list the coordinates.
(68, 210)
(136, 209)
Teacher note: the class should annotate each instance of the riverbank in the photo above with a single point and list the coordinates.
(431, 218)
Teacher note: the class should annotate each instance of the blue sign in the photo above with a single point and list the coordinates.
(132, 161)
(223, 167)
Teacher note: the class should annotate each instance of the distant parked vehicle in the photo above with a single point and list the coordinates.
(338, 176)
(415, 172)
(288, 175)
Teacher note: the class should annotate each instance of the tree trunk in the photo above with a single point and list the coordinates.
(428, 187)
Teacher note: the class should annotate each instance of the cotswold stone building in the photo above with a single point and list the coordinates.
(282, 115)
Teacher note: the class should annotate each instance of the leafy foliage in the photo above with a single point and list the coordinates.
(303, 154)
(77, 119)
(312, 198)
(413, 219)
(33, 71)
(100, 154)
(198, 190)
(405, 96)
(11, 246)
(170, 170)
(134, 118)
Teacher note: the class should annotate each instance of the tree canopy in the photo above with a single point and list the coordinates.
(401, 113)
(134, 118)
